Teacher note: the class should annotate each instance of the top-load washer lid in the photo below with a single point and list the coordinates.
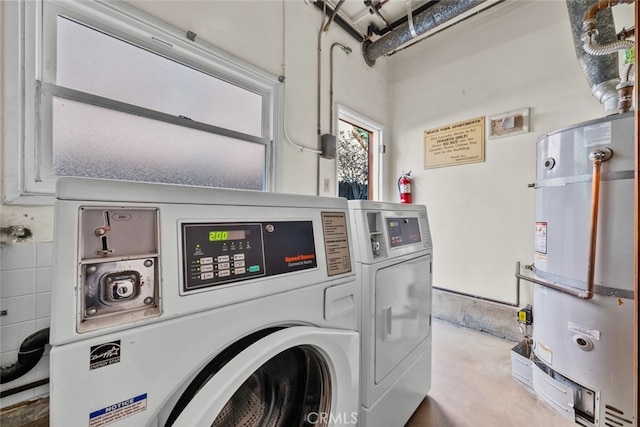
(295, 376)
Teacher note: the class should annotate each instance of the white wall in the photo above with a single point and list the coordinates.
(253, 31)
(250, 30)
(516, 55)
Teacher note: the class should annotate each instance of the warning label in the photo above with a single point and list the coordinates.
(541, 237)
(117, 411)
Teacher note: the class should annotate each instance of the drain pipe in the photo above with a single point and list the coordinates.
(29, 355)
(601, 71)
(423, 22)
(597, 156)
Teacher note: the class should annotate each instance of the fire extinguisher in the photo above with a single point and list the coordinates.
(404, 187)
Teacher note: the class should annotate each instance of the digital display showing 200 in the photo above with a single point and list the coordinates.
(221, 235)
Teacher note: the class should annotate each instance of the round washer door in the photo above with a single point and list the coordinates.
(263, 386)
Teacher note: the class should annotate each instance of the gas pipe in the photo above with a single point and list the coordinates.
(404, 187)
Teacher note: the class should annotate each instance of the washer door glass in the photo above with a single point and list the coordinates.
(286, 391)
(298, 376)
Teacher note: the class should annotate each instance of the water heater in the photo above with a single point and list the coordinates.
(583, 345)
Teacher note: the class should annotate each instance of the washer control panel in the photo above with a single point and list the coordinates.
(403, 231)
(220, 253)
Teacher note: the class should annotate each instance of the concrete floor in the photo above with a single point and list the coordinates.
(472, 385)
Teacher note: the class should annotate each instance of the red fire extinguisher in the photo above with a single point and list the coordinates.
(404, 187)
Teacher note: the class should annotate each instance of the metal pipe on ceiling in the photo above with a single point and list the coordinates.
(342, 23)
(600, 71)
(423, 22)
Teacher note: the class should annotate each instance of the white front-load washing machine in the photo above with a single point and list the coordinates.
(190, 306)
(394, 261)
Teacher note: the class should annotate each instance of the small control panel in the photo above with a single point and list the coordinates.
(403, 231)
(220, 253)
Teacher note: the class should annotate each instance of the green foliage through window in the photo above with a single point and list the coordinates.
(353, 161)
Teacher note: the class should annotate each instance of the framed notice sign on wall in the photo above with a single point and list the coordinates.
(455, 144)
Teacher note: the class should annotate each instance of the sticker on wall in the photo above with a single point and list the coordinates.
(104, 355)
(118, 411)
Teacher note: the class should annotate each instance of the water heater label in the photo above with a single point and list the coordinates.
(544, 353)
(540, 261)
(541, 237)
(598, 134)
(583, 330)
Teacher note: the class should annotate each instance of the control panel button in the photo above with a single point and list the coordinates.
(224, 273)
(206, 276)
(208, 267)
(223, 258)
(206, 260)
(240, 270)
(237, 257)
(254, 268)
(238, 264)
(224, 266)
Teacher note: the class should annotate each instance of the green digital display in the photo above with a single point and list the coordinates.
(223, 235)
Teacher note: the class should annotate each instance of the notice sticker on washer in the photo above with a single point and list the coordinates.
(583, 330)
(104, 354)
(336, 242)
(118, 411)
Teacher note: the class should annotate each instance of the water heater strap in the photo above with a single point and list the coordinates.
(579, 284)
(605, 176)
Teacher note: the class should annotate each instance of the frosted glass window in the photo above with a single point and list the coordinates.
(97, 63)
(101, 89)
(98, 142)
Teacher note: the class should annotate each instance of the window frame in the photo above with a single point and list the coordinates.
(376, 148)
(29, 86)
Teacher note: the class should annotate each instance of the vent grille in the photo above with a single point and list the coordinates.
(582, 422)
(614, 417)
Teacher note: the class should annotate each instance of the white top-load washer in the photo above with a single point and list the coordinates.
(394, 261)
(190, 306)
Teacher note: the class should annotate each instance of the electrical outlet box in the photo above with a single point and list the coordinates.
(328, 146)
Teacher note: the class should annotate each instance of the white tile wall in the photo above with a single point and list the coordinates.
(25, 292)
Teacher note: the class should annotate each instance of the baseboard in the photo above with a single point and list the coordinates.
(496, 319)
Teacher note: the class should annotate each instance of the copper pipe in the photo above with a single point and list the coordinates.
(590, 15)
(597, 156)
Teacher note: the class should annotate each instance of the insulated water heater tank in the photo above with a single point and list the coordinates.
(583, 348)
